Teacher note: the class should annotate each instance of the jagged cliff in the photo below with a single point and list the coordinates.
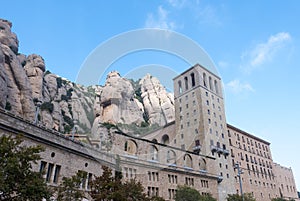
(25, 83)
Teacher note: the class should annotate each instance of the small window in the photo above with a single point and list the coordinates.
(165, 139)
(210, 83)
(49, 172)
(186, 83)
(216, 87)
(43, 167)
(179, 87)
(56, 173)
(193, 79)
(204, 80)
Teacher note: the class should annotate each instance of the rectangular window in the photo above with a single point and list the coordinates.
(83, 179)
(90, 179)
(49, 172)
(56, 173)
(43, 167)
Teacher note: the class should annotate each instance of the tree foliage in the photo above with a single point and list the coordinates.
(236, 197)
(186, 193)
(69, 190)
(108, 187)
(207, 198)
(281, 199)
(17, 180)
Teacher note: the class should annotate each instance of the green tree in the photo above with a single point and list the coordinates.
(17, 179)
(186, 193)
(107, 187)
(133, 191)
(236, 197)
(281, 199)
(156, 198)
(69, 190)
(103, 187)
(207, 198)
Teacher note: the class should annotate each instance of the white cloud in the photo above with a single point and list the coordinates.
(264, 52)
(236, 86)
(160, 20)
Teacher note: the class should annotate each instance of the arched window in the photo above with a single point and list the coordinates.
(165, 139)
(153, 153)
(179, 87)
(216, 87)
(204, 80)
(171, 157)
(193, 79)
(210, 83)
(202, 164)
(188, 162)
(186, 83)
(130, 147)
(154, 140)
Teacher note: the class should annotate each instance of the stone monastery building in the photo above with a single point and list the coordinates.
(199, 149)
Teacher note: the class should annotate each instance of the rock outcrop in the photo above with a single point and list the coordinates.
(25, 84)
(158, 103)
(117, 102)
(17, 94)
(35, 68)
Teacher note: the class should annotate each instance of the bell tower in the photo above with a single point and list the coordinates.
(201, 123)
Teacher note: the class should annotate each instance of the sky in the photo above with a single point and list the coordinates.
(255, 46)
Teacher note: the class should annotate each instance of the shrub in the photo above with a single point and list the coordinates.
(47, 106)
(8, 106)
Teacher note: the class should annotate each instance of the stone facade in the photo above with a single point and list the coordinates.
(285, 181)
(254, 157)
(159, 166)
(201, 123)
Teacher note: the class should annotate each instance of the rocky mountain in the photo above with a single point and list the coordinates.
(26, 85)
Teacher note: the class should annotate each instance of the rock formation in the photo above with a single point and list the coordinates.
(17, 93)
(117, 102)
(25, 82)
(158, 103)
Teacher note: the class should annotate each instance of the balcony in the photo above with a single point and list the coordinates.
(197, 148)
(226, 152)
(213, 148)
(219, 150)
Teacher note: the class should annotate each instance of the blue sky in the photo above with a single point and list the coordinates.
(254, 45)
